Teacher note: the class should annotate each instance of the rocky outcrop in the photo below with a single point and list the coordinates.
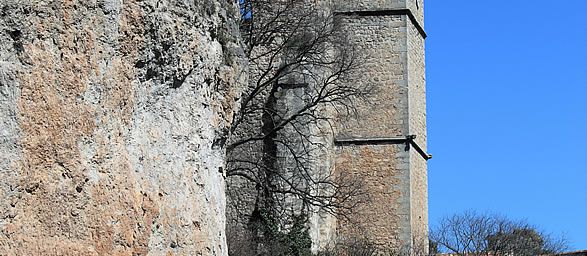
(113, 117)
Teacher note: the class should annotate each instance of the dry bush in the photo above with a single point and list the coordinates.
(475, 234)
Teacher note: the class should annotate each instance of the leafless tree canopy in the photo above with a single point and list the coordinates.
(300, 73)
(365, 247)
(298, 52)
(471, 233)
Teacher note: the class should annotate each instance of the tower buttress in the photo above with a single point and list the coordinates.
(377, 143)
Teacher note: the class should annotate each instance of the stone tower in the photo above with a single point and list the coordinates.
(386, 141)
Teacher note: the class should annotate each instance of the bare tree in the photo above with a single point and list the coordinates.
(471, 233)
(364, 247)
(300, 73)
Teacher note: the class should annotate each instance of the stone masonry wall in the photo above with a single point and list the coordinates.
(395, 176)
(112, 121)
(417, 126)
(385, 219)
(381, 40)
(416, 6)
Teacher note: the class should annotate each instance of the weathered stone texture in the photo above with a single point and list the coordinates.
(395, 175)
(381, 39)
(415, 6)
(384, 218)
(417, 126)
(113, 116)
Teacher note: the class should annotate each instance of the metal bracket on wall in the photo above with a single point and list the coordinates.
(409, 140)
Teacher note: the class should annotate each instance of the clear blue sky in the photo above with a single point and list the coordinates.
(507, 111)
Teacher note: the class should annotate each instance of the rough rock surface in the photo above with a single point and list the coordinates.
(113, 117)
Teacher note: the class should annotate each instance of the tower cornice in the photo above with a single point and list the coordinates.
(388, 12)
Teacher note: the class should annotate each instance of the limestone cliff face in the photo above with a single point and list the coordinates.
(113, 117)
